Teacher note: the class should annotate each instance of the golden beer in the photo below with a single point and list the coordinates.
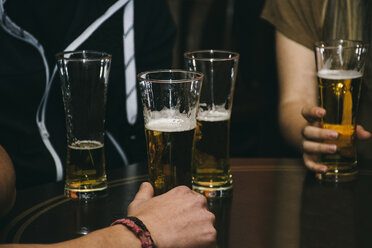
(85, 167)
(169, 149)
(339, 92)
(211, 166)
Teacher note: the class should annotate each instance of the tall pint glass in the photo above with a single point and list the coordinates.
(170, 99)
(84, 77)
(340, 65)
(211, 167)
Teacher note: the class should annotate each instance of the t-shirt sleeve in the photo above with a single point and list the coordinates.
(299, 20)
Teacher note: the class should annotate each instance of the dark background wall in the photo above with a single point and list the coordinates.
(236, 25)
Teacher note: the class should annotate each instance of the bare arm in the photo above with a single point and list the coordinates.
(115, 236)
(297, 86)
(299, 116)
(7, 183)
(171, 219)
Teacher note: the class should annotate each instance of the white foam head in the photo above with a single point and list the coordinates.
(338, 74)
(170, 120)
(213, 115)
(171, 125)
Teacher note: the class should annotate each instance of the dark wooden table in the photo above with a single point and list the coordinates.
(275, 203)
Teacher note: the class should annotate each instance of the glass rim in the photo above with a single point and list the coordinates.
(342, 42)
(235, 56)
(199, 76)
(100, 55)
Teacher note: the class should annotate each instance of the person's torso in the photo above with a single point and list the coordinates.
(56, 24)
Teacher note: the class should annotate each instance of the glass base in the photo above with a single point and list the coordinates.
(225, 190)
(335, 176)
(86, 194)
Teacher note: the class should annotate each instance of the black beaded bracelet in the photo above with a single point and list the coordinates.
(139, 229)
(139, 223)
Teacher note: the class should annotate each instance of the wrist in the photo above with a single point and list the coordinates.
(125, 237)
(138, 229)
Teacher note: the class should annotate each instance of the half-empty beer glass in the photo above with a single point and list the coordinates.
(340, 65)
(211, 167)
(84, 77)
(170, 99)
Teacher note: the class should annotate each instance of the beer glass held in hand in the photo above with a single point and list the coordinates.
(340, 65)
(84, 77)
(170, 100)
(211, 168)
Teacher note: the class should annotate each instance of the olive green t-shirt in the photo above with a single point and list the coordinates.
(308, 21)
(299, 20)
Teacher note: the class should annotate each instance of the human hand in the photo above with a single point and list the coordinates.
(314, 137)
(177, 219)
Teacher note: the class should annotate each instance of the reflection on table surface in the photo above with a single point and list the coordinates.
(275, 203)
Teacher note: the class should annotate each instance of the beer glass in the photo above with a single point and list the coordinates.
(170, 99)
(339, 66)
(221, 208)
(210, 167)
(84, 78)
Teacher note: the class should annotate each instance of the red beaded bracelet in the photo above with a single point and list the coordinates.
(139, 229)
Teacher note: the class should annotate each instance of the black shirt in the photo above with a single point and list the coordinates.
(22, 78)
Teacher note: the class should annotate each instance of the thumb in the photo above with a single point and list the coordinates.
(145, 192)
(313, 113)
(362, 133)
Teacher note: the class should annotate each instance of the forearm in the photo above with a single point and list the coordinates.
(7, 183)
(291, 123)
(297, 86)
(115, 236)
